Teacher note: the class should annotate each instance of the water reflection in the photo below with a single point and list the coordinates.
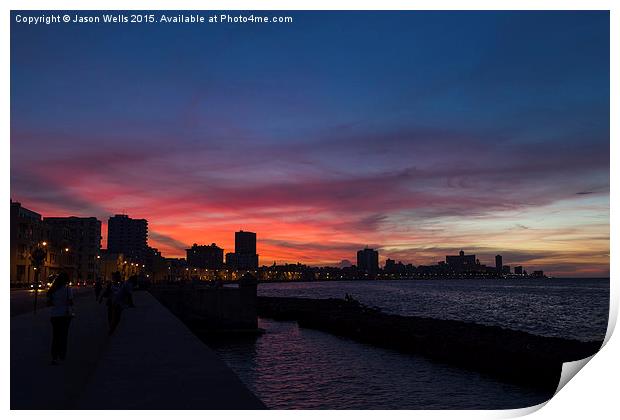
(294, 368)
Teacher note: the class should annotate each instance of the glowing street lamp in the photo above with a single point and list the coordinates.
(37, 257)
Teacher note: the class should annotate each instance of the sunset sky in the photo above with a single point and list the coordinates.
(417, 133)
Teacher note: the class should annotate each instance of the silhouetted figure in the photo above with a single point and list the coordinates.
(107, 291)
(98, 289)
(351, 300)
(122, 299)
(108, 294)
(60, 297)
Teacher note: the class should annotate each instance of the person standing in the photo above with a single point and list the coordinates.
(60, 297)
(98, 289)
(122, 299)
(108, 294)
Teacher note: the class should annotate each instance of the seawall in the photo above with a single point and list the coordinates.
(508, 355)
(205, 308)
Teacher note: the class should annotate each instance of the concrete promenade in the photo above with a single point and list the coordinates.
(151, 362)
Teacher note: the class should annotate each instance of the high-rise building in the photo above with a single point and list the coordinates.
(128, 236)
(368, 260)
(245, 256)
(205, 256)
(245, 243)
(83, 241)
(498, 264)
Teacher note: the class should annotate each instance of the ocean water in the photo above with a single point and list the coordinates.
(568, 308)
(295, 368)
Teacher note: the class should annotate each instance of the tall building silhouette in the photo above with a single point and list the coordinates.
(498, 264)
(368, 260)
(128, 236)
(245, 243)
(245, 256)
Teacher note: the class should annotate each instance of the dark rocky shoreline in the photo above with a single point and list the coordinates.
(509, 355)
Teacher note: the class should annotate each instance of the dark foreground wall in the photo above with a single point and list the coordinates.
(508, 355)
(210, 308)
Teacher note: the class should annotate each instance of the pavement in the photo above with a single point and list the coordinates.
(152, 361)
(22, 300)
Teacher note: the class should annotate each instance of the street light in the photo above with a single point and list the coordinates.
(37, 257)
(65, 261)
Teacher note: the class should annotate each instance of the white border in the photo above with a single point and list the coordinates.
(310, 5)
(593, 394)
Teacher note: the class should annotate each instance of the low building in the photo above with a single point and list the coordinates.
(27, 232)
(461, 262)
(109, 263)
(205, 256)
(241, 262)
(173, 270)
